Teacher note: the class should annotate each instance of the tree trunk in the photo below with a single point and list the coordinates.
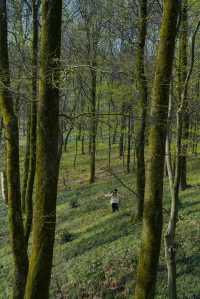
(122, 131)
(4, 187)
(67, 138)
(170, 248)
(152, 219)
(183, 74)
(114, 137)
(16, 230)
(33, 125)
(83, 142)
(129, 142)
(47, 158)
(142, 95)
(109, 135)
(26, 166)
(93, 125)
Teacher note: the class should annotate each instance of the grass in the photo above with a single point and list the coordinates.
(96, 251)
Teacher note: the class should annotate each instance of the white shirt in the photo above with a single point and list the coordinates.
(114, 199)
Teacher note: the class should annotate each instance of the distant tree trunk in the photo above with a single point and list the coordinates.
(1, 129)
(194, 136)
(142, 103)
(93, 124)
(83, 143)
(129, 143)
(47, 158)
(4, 187)
(114, 138)
(16, 230)
(109, 136)
(76, 150)
(33, 125)
(152, 219)
(26, 165)
(183, 74)
(67, 138)
(122, 131)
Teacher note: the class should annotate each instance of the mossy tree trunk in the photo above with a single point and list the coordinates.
(152, 217)
(174, 181)
(142, 103)
(26, 166)
(47, 165)
(12, 160)
(170, 246)
(183, 73)
(33, 124)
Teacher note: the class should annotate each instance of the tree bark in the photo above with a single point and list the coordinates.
(152, 219)
(93, 123)
(33, 125)
(129, 142)
(47, 164)
(183, 73)
(142, 95)
(26, 166)
(170, 248)
(16, 230)
(122, 131)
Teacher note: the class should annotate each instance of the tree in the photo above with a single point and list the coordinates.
(47, 159)
(13, 176)
(33, 124)
(142, 106)
(183, 73)
(91, 14)
(170, 247)
(152, 223)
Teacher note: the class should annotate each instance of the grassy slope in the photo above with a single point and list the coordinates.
(100, 260)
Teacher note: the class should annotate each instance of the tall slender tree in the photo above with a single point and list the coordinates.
(47, 164)
(152, 223)
(33, 122)
(13, 175)
(142, 97)
(183, 73)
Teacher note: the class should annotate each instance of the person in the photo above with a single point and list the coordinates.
(114, 200)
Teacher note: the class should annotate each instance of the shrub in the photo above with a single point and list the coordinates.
(65, 236)
(74, 203)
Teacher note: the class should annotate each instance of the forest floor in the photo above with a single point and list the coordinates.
(95, 253)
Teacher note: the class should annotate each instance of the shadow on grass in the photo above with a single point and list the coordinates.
(111, 231)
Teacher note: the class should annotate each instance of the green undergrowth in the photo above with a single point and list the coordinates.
(95, 254)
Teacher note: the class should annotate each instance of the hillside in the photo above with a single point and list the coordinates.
(96, 251)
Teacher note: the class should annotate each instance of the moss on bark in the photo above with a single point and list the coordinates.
(142, 92)
(152, 223)
(44, 217)
(12, 164)
(33, 124)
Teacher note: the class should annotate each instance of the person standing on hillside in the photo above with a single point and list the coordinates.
(114, 200)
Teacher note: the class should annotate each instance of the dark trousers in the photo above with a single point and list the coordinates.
(115, 207)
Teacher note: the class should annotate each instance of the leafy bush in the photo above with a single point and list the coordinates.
(73, 203)
(65, 236)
